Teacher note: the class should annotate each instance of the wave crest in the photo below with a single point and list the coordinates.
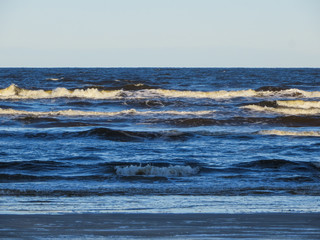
(144, 91)
(290, 133)
(299, 104)
(291, 107)
(285, 111)
(71, 112)
(122, 135)
(14, 92)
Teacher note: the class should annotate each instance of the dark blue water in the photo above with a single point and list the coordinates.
(159, 140)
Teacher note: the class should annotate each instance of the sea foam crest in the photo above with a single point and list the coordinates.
(284, 110)
(71, 112)
(290, 133)
(299, 104)
(149, 170)
(14, 92)
(222, 94)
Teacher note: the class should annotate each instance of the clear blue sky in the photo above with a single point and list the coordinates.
(160, 33)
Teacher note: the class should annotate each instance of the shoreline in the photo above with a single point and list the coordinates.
(164, 225)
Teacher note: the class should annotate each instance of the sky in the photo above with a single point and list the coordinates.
(159, 33)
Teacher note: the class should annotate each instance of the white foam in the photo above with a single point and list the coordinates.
(290, 133)
(149, 170)
(299, 104)
(314, 94)
(71, 112)
(234, 94)
(284, 110)
(14, 92)
(222, 94)
(202, 94)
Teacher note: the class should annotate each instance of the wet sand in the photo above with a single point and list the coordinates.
(163, 226)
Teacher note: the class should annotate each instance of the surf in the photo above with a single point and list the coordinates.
(290, 133)
(15, 92)
(295, 107)
(130, 112)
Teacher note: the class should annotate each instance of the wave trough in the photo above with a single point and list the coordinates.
(154, 171)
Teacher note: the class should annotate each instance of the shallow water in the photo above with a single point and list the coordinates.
(129, 139)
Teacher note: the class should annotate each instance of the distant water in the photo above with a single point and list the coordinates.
(159, 140)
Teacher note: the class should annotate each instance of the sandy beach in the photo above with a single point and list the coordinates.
(178, 226)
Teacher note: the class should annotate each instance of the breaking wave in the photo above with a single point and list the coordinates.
(142, 91)
(154, 171)
(14, 92)
(285, 111)
(291, 133)
(291, 107)
(106, 134)
(299, 104)
(71, 112)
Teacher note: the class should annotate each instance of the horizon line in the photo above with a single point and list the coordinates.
(278, 67)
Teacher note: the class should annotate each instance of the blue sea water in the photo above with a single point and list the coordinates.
(159, 140)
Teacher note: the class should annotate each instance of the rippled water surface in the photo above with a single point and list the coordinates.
(133, 139)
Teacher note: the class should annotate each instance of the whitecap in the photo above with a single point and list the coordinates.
(284, 110)
(299, 104)
(14, 92)
(70, 112)
(290, 133)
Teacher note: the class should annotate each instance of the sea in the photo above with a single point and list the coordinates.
(159, 140)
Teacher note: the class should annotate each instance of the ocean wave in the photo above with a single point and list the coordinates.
(15, 92)
(271, 89)
(144, 91)
(46, 122)
(289, 107)
(284, 110)
(222, 94)
(166, 191)
(299, 104)
(270, 163)
(298, 121)
(126, 136)
(105, 134)
(70, 112)
(286, 165)
(18, 177)
(149, 170)
(290, 133)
